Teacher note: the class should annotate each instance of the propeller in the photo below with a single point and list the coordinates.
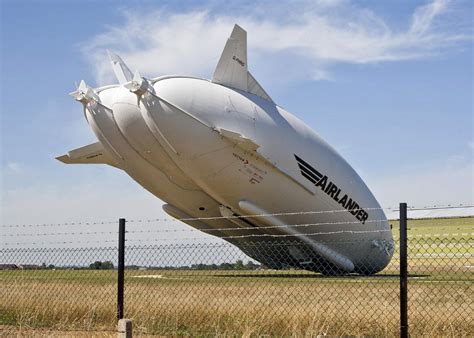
(133, 82)
(138, 85)
(84, 93)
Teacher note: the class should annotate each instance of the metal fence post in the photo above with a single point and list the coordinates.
(403, 272)
(121, 268)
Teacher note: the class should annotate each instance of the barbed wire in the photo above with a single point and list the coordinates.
(258, 227)
(246, 236)
(60, 242)
(452, 227)
(153, 220)
(136, 240)
(306, 235)
(57, 224)
(460, 206)
(240, 236)
(190, 219)
(290, 214)
(291, 235)
(193, 229)
(60, 234)
(296, 213)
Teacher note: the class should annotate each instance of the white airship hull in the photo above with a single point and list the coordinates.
(211, 151)
(195, 162)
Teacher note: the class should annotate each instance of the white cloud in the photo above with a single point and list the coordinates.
(315, 35)
(424, 15)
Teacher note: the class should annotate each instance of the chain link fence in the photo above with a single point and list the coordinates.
(207, 287)
(216, 289)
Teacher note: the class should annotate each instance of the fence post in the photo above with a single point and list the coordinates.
(121, 268)
(403, 272)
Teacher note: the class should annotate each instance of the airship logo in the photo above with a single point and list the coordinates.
(325, 184)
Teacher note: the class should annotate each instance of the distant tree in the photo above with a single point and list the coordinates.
(239, 265)
(98, 265)
(226, 266)
(251, 265)
(108, 265)
(198, 267)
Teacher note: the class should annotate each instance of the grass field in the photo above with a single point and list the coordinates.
(261, 302)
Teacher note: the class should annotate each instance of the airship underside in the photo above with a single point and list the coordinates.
(230, 162)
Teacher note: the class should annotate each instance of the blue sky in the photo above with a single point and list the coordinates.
(387, 83)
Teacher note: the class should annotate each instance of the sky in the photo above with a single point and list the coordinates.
(388, 83)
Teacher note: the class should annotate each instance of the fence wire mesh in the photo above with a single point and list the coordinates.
(58, 288)
(201, 289)
(208, 287)
(441, 287)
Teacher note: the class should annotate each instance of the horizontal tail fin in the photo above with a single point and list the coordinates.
(91, 154)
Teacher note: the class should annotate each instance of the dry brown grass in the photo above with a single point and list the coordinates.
(239, 303)
(14, 331)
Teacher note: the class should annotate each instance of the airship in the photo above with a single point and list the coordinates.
(228, 161)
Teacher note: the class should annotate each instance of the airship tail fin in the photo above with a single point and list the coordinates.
(232, 67)
(121, 71)
(232, 70)
(91, 154)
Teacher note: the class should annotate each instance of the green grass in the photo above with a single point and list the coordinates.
(94, 277)
(431, 226)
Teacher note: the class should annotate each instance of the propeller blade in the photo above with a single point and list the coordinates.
(138, 84)
(84, 93)
(121, 71)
